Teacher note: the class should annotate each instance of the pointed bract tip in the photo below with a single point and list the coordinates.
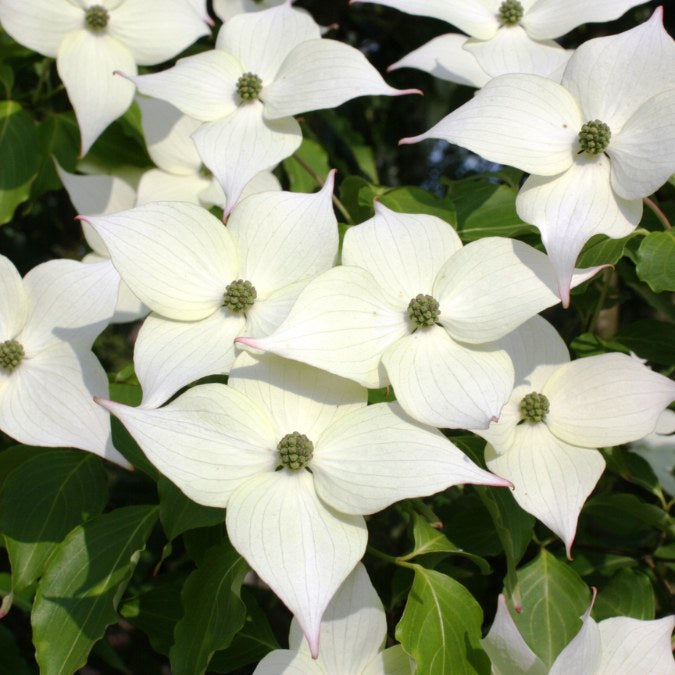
(409, 140)
(329, 184)
(502, 482)
(403, 92)
(247, 342)
(494, 419)
(122, 74)
(313, 642)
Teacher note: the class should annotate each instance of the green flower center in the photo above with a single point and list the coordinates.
(248, 87)
(96, 18)
(295, 451)
(11, 354)
(510, 12)
(239, 296)
(534, 407)
(594, 137)
(423, 310)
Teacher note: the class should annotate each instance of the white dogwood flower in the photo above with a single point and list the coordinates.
(353, 630)
(48, 374)
(615, 646)
(267, 67)
(297, 458)
(596, 144)
(92, 38)
(559, 413)
(226, 9)
(411, 306)
(207, 283)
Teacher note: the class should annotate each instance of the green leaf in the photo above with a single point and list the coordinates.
(628, 593)
(213, 610)
(311, 154)
(441, 626)
(6, 79)
(649, 339)
(79, 592)
(11, 661)
(251, 643)
(656, 261)
(634, 469)
(178, 513)
(427, 539)
(12, 457)
(553, 599)
(58, 136)
(42, 500)
(626, 516)
(20, 157)
(412, 199)
(603, 250)
(357, 195)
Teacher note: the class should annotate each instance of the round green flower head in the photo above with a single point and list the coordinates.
(594, 137)
(534, 407)
(248, 87)
(295, 451)
(510, 12)
(11, 354)
(423, 310)
(239, 296)
(96, 18)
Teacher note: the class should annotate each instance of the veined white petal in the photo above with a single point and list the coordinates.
(68, 300)
(170, 354)
(262, 40)
(13, 300)
(547, 19)
(570, 208)
(40, 25)
(48, 400)
(605, 400)
(320, 74)
(443, 383)
(643, 152)
(552, 478)
(287, 662)
(298, 397)
(167, 135)
(176, 257)
(342, 322)
(508, 651)
(445, 57)
(391, 661)
(203, 86)
(156, 185)
(86, 63)
(268, 312)
(300, 547)
(472, 16)
(584, 650)
(156, 30)
(527, 121)
(403, 251)
(253, 145)
(208, 441)
(284, 237)
(631, 646)
(611, 77)
(379, 455)
(226, 9)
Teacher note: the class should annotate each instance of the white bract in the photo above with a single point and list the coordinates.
(559, 413)
(301, 531)
(658, 449)
(48, 374)
(358, 320)
(507, 36)
(92, 38)
(615, 646)
(596, 144)
(353, 630)
(267, 66)
(207, 283)
(226, 9)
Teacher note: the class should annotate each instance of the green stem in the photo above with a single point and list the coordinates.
(604, 290)
(658, 213)
(401, 562)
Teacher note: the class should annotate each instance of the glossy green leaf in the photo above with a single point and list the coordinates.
(309, 163)
(79, 592)
(42, 500)
(441, 626)
(213, 610)
(633, 468)
(6, 80)
(411, 199)
(58, 137)
(656, 261)
(553, 598)
(20, 157)
(628, 593)
(627, 516)
(649, 339)
(357, 195)
(603, 250)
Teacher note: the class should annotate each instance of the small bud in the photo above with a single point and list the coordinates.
(96, 18)
(534, 407)
(295, 451)
(423, 310)
(510, 12)
(11, 355)
(239, 296)
(249, 86)
(594, 137)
